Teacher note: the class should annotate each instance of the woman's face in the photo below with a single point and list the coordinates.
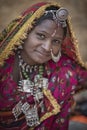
(41, 40)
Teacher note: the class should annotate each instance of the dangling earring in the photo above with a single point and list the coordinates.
(55, 58)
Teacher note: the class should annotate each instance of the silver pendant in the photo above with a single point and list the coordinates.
(31, 114)
(26, 86)
(36, 78)
(25, 107)
(32, 117)
(45, 83)
(40, 82)
(38, 96)
(42, 106)
(17, 110)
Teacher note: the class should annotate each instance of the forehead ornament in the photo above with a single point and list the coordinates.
(53, 34)
(59, 16)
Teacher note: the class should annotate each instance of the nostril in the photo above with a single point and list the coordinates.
(46, 46)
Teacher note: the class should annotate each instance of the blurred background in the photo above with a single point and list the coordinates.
(10, 9)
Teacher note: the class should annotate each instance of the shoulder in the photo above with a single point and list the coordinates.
(7, 65)
(65, 61)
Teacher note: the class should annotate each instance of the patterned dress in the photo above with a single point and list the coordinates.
(64, 79)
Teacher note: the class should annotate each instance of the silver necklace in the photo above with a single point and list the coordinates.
(33, 88)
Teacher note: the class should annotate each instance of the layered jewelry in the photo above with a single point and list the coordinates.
(55, 58)
(30, 88)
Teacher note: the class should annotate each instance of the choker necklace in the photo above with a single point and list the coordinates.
(24, 65)
(30, 87)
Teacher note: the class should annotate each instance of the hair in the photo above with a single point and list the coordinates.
(48, 16)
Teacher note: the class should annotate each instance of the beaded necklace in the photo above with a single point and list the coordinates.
(30, 87)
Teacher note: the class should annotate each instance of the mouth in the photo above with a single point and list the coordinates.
(43, 53)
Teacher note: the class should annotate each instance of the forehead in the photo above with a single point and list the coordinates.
(49, 26)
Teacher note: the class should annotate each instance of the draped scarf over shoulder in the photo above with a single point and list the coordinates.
(16, 32)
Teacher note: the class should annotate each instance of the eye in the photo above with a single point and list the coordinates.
(41, 36)
(57, 42)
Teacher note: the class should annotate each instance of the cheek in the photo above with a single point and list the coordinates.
(28, 45)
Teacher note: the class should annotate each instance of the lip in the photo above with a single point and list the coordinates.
(43, 54)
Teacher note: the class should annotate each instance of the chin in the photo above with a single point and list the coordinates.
(42, 61)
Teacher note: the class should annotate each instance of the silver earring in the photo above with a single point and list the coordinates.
(55, 58)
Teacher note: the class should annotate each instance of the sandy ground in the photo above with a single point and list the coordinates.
(10, 9)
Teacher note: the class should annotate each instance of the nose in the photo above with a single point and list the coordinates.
(47, 45)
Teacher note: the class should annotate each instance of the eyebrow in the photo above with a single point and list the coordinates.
(43, 31)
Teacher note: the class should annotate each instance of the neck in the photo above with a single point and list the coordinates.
(27, 59)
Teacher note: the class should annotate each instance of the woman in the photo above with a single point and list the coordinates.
(40, 69)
